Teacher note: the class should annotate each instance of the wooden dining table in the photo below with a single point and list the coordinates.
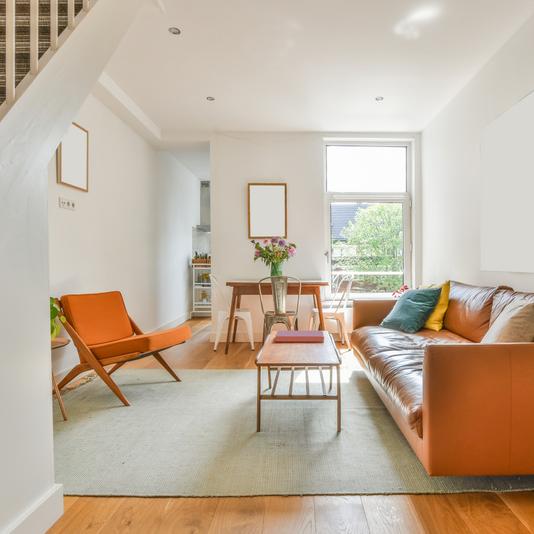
(241, 288)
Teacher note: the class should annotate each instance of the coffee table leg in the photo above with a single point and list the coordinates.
(258, 402)
(338, 399)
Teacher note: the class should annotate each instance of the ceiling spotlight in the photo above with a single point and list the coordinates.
(210, 98)
(379, 99)
(174, 30)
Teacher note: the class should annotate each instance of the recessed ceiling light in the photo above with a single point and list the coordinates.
(379, 99)
(174, 30)
(210, 98)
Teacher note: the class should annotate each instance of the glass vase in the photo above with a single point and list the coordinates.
(276, 269)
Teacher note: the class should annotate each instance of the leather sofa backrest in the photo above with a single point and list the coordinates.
(469, 311)
(505, 297)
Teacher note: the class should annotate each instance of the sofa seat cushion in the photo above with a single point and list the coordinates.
(443, 336)
(395, 360)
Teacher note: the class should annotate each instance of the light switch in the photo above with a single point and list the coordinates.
(66, 204)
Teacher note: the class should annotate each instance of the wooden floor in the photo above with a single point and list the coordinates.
(476, 513)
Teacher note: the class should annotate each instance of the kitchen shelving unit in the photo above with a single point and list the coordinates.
(201, 290)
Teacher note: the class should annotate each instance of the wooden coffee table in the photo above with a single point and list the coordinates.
(297, 357)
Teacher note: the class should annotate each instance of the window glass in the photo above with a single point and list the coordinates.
(367, 245)
(365, 169)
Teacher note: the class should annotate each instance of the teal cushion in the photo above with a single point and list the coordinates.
(412, 310)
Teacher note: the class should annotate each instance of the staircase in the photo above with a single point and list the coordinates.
(30, 32)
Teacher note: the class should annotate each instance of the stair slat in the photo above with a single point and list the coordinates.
(10, 51)
(53, 24)
(35, 28)
(34, 36)
(70, 11)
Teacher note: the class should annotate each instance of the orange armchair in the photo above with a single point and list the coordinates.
(104, 334)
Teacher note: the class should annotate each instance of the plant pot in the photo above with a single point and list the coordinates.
(279, 288)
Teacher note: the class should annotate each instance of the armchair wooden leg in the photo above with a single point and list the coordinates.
(59, 398)
(101, 372)
(115, 367)
(72, 374)
(166, 366)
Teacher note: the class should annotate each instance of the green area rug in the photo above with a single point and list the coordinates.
(198, 438)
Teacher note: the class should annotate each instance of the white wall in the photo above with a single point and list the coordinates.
(452, 176)
(237, 159)
(29, 499)
(131, 231)
(178, 208)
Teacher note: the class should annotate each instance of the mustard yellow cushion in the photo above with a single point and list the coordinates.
(435, 321)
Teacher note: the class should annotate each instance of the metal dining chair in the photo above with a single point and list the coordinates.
(335, 310)
(280, 314)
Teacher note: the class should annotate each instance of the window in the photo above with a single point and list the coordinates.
(369, 210)
(366, 169)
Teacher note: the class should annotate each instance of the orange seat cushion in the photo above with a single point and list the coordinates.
(99, 317)
(143, 343)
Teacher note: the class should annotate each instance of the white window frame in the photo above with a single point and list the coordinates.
(404, 198)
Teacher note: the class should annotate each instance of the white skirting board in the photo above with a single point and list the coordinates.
(178, 321)
(41, 515)
(240, 338)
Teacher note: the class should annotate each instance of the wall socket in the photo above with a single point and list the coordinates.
(66, 204)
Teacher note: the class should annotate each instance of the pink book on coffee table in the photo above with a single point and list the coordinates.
(299, 336)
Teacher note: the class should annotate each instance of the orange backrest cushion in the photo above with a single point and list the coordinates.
(469, 311)
(99, 317)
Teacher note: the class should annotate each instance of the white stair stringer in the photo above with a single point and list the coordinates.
(29, 135)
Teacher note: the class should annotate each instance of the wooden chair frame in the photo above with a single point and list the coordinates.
(88, 361)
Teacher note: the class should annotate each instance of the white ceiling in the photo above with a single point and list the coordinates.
(307, 65)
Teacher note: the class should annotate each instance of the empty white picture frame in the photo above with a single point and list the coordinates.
(72, 158)
(507, 190)
(267, 210)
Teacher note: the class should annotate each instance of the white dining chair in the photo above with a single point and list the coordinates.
(241, 314)
(335, 309)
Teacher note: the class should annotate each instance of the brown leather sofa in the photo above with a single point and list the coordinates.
(465, 408)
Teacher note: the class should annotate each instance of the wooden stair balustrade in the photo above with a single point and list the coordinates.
(30, 31)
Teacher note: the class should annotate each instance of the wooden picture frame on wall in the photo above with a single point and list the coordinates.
(267, 210)
(72, 158)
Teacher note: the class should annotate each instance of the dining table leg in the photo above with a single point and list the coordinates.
(338, 372)
(237, 305)
(231, 320)
(317, 295)
(258, 400)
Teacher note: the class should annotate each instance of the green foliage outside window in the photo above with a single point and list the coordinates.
(374, 242)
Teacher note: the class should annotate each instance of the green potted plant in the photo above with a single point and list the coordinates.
(55, 310)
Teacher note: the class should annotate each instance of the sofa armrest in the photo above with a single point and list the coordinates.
(370, 312)
(478, 404)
